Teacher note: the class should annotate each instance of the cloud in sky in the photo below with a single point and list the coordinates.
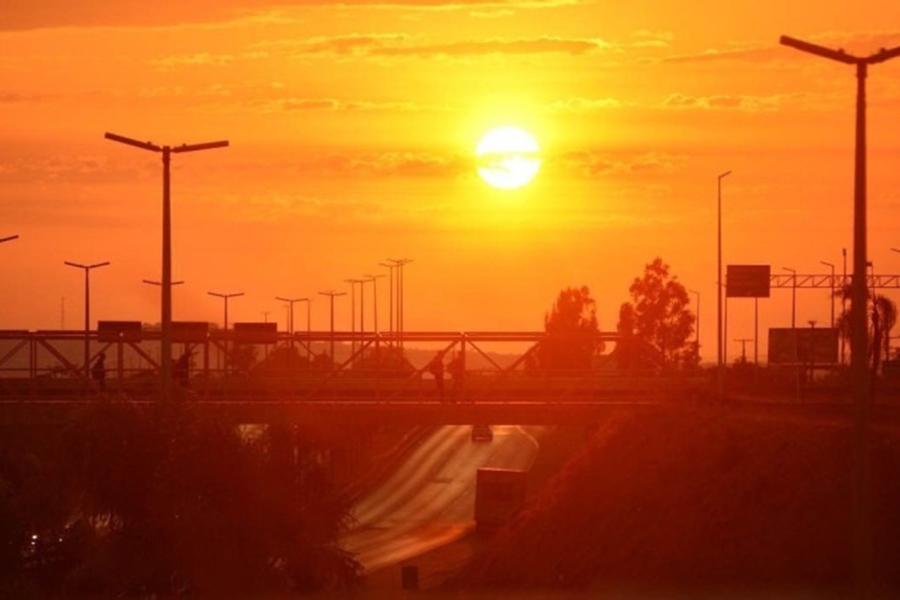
(40, 14)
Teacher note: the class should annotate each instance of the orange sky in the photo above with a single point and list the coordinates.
(353, 127)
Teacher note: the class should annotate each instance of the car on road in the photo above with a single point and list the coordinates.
(482, 433)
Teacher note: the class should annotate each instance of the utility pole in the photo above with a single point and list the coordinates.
(858, 309)
(332, 294)
(166, 287)
(87, 311)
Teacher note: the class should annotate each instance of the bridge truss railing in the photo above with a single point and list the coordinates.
(496, 366)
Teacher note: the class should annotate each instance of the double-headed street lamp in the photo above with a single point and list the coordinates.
(373, 279)
(166, 286)
(720, 365)
(332, 294)
(291, 302)
(859, 354)
(226, 297)
(87, 310)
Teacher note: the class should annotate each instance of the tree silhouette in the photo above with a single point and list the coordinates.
(571, 328)
(883, 317)
(655, 327)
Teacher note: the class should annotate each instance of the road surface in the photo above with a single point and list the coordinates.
(430, 500)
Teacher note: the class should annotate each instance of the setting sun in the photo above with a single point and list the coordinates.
(508, 157)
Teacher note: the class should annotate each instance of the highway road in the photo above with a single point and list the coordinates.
(430, 500)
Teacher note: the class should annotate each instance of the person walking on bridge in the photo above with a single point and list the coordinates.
(436, 368)
(98, 372)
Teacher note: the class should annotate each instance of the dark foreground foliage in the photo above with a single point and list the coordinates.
(704, 499)
(119, 501)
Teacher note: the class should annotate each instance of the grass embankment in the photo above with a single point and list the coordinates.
(703, 498)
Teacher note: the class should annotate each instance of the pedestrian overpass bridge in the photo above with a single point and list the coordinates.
(266, 376)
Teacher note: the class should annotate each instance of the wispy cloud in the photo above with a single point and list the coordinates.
(745, 103)
(17, 98)
(592, 163)
(44, 14)
(580, 105)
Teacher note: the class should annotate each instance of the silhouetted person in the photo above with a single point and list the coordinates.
(455, 368)
(436, 368)
(182, 367)
(98, 371)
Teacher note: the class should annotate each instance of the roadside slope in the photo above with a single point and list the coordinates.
(707, 498)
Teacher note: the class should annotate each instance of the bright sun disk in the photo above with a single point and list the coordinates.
(508, 157)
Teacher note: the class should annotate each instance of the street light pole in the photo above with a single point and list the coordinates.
(374, 280)
(390, 268)
(720, 366)
(87, 311)
(332, 294)
(353, 283)
(166, 287)
(291, 302)
(843, 299)
(858, 305)
(400, 263)
(793, 296)
(9, 238)
(828, 264)
(695, 292)
(225, 297)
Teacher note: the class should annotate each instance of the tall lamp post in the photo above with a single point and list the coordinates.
(332, 295)
(353, 283)
(696, 293)
(793, 296)
(828, 264)
(373, 279)
(9, 238)
(308, 331)
(291, 302)
(166, 287)
(226, 297)
(390, 267)
(87, 310)
(720, 365)
(859, 338)
(400, 263)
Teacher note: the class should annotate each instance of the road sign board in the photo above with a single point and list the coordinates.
(256, 333)
(119, 331)
(813, 345)
(190, 331)
(747, 281)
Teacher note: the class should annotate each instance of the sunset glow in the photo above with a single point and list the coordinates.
(353, 129)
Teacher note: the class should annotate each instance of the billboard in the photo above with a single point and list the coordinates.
(803, 346)
(190, 331)
(256, 333)
(119, 331)
(747, 281)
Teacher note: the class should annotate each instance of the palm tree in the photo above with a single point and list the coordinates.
(884, 317)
